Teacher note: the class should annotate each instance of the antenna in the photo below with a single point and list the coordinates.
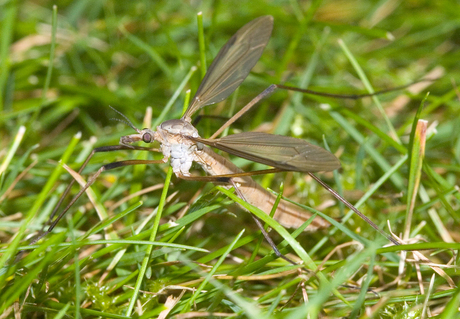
(126, 120)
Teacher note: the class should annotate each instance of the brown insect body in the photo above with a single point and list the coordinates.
(286, 213)
(181, 143)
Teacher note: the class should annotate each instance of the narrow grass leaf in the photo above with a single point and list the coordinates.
(274, 304)
(213, 270)
(415, 122)
(88, 312)
(369, 88)
(10, 294)
(243, 241)
(415, 173)
(367, 124)
(77, 269)
(370, 32)
(336, 178)
(12, 150)
(283, 232)
(63, 311)
(359, 304)
(149, 50)
(100, 208)
(201, 43)
(316, 304)
(374, 153)
(109, 221)
(363, 199)
(149, 249)
(39, 201)
(451, 309)
(248, 307)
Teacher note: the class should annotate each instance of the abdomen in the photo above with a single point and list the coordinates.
(286, 214)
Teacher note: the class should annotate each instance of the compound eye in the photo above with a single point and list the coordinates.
(147, 138)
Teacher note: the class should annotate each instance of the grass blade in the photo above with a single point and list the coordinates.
(415, 173)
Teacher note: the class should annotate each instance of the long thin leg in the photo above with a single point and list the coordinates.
(262, 229)
(227, 178)
(101, 149)
(272, 88)
(93, 178)
(354, 209)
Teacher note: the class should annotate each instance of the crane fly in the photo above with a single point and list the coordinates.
(182, 145)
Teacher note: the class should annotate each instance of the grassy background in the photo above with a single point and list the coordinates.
(131, 55)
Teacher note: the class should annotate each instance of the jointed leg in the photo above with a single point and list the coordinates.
(226, 178)
(354, 209)
(101, 149)
(93, 178)
(272, 88)
(262, 229)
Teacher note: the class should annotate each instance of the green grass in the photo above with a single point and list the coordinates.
(179, 249)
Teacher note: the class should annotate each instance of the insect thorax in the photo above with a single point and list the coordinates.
(172, 135)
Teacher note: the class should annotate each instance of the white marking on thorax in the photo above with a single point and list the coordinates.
(174, 145)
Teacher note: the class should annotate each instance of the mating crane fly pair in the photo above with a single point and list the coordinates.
(181, 143)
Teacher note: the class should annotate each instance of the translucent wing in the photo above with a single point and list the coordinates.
(287, 153)
(232, 64)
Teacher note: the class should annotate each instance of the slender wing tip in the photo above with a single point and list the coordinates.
(267, 17)
(327, 163)
(335, 165)
(268, 20)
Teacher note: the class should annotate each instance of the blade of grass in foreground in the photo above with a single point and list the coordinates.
(316, 304)
(13, 292)
(13, 149)
(359, 304)
(63, 311)
(415, 173)
(38, 203)
(199, 18)
(212, 272)
(451, 309)
(249, 309)
(284, 233)
(261, 237)
(78, 296)
(149, 249)
(100, 209)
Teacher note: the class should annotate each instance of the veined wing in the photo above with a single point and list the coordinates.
(284, 152)
(232, 64)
